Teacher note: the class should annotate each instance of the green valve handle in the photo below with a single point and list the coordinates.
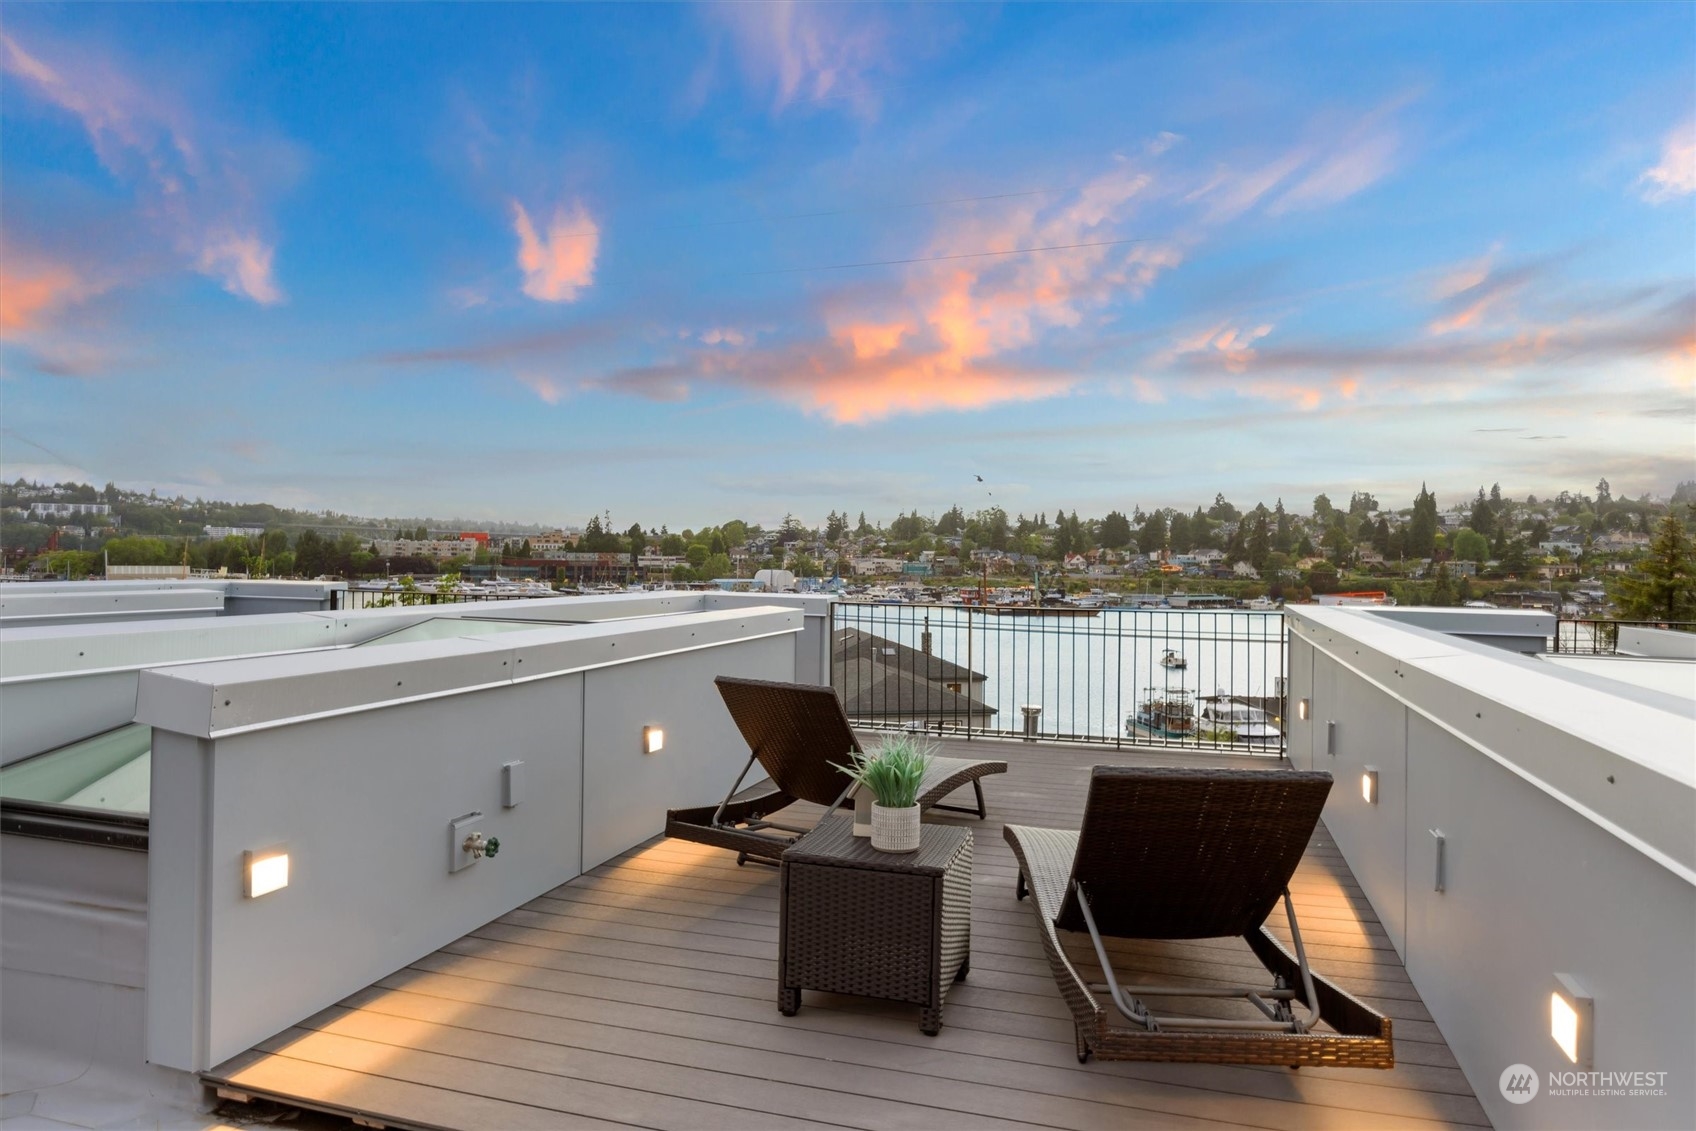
(492, 846)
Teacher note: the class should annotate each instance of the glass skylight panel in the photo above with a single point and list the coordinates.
(107, 771)
(448, 628)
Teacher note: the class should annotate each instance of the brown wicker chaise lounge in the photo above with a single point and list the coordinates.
(795, 731)
(1181, 853)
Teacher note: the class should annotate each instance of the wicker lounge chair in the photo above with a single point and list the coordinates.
(795, 731)
(1188, 854)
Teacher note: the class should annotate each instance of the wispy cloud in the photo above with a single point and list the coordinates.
(806, 54)
(1675, 174)
(1335, 162)
(199, 182)
(560, 262)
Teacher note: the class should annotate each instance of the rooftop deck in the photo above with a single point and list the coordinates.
(643, 994)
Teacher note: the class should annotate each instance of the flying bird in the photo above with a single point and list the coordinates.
(980, 479)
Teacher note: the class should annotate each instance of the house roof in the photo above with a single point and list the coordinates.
(873, 690)
(853, 645)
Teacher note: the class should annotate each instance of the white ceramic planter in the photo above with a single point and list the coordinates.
(895, 830)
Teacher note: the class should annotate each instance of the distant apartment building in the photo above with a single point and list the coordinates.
(436, 549)
(555, 543)
(65, 510)
(1572, 549)
(217, 532)
(866, 566)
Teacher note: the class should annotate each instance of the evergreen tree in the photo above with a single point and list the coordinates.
(1442, 594)
(1115, 531)
(1151, 538)
(1178, 534)
(1282, 540)
(1663, 586)
(1483, 518)
(1260, 542)
(1422, 527)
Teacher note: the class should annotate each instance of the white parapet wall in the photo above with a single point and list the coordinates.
(354, 762)
(1529, 821)
(63, 682)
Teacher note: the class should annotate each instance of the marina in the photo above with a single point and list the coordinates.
(1079, 678)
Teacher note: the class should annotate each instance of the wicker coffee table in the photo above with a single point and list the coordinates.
(854, 920)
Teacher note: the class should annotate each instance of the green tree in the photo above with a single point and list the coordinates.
(1442, 593)
(1282, 539)
(1663, 586)
(1516, 560)
(1179, 533)
(1260, 542)
(1151, 538)
(1483, 517)
(638, 541)
(836, 526)
(1422, 527)
(1471, 546)
(1322, 509)
(718, 565)
(697, 555)
(1115, 531)
(1381, 536)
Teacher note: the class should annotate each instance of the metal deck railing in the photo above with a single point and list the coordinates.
(1202, 679)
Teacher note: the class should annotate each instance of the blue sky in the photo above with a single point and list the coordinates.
(686, 263)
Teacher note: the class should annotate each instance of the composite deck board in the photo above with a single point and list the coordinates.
(643, 995)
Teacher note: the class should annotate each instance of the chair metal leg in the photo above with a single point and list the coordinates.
(982, 810)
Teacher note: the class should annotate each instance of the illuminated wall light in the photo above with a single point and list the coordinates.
(264, 872)
(653, 740)
(1304, 707)
(1571, 1019)
(1369, 785)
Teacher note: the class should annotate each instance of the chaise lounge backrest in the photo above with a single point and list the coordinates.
(796, 732)
(1181, 853)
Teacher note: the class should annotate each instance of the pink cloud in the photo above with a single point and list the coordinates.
(1231, 346)
(562, 262)
(31, 292)
(242, 262)
(546, 388)
(195, 181)
(949, 335)
(1675, 174)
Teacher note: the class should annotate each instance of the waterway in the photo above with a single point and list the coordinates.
(1089, 673)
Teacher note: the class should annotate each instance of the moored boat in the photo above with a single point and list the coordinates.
(1169, 712)
(1226, 719)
